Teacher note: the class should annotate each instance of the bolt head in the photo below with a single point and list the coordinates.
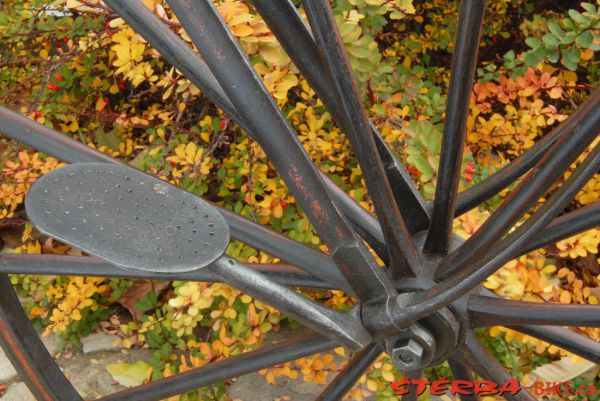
(408, 355)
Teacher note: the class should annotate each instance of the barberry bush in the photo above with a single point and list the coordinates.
(75, 66)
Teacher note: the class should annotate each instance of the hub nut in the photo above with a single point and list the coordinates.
(407, 354)
(412, 349)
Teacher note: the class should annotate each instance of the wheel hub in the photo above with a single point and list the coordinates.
(431, 340)
(428, 342)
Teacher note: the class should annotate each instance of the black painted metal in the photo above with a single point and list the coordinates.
(227, 78)
(460, 372)
(347, 378)
(478, 359)
(573, 141)
(237, 77)
(345, 328)
(26, 351)
(225, 369)
(565, 226)
(283, 19)
(491, 311)
(126, 218)
(403, 256)
(412, 395)
(576, 343)
(91, 267)
(467, 279)
(180, 55)
(46, 140)
(464, 62)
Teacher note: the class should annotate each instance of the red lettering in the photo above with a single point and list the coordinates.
(555, 388)
(439, 387)
(398, 386)
(511, 387)
(569, 388)
(539, 388)
(462, 387)
(485, 387)
(421, 385)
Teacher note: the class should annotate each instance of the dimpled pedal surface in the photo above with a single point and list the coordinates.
(127, 218)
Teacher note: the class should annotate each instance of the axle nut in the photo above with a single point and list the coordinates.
(407, 354)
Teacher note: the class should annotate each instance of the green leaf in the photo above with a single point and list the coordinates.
(553, 57)
(568, 23)
(589, 7)
(531, 59)
(578, 17)
(432, 140)
(585, 39)
(360, 52)
(555, 29)
(129, 374)
(533, 42)
(551, 41)
(567, 62)
(424, 167)
(573, 54)
(569, 38)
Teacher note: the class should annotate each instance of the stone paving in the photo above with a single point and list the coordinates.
(86, 369)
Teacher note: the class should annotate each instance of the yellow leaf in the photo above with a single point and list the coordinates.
(556, 92)
(565, 297)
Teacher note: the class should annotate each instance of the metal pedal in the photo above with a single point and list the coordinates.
(127, 218)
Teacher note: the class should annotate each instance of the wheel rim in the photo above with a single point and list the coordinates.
(428, 291)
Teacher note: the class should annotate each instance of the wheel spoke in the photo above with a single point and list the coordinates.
(412, 206)
(239, 80)
(403, 256)
(69, 150)
(226, 369)
(460, 372)
(348, 377)
(492, 185)
(308, 259)
(27, 352)
(504, 250)
(511, 172)
(173, 49)
(92, 267)
(563, 153)
(46, 140)
(464, 63)
(565, 226)
(181, 56)
(412, 391)
(573, 342)
(492, 311)
(284, 21)
(365, 224)
(508, 174)
(477, 358)
(462, 281)
(345, 328)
